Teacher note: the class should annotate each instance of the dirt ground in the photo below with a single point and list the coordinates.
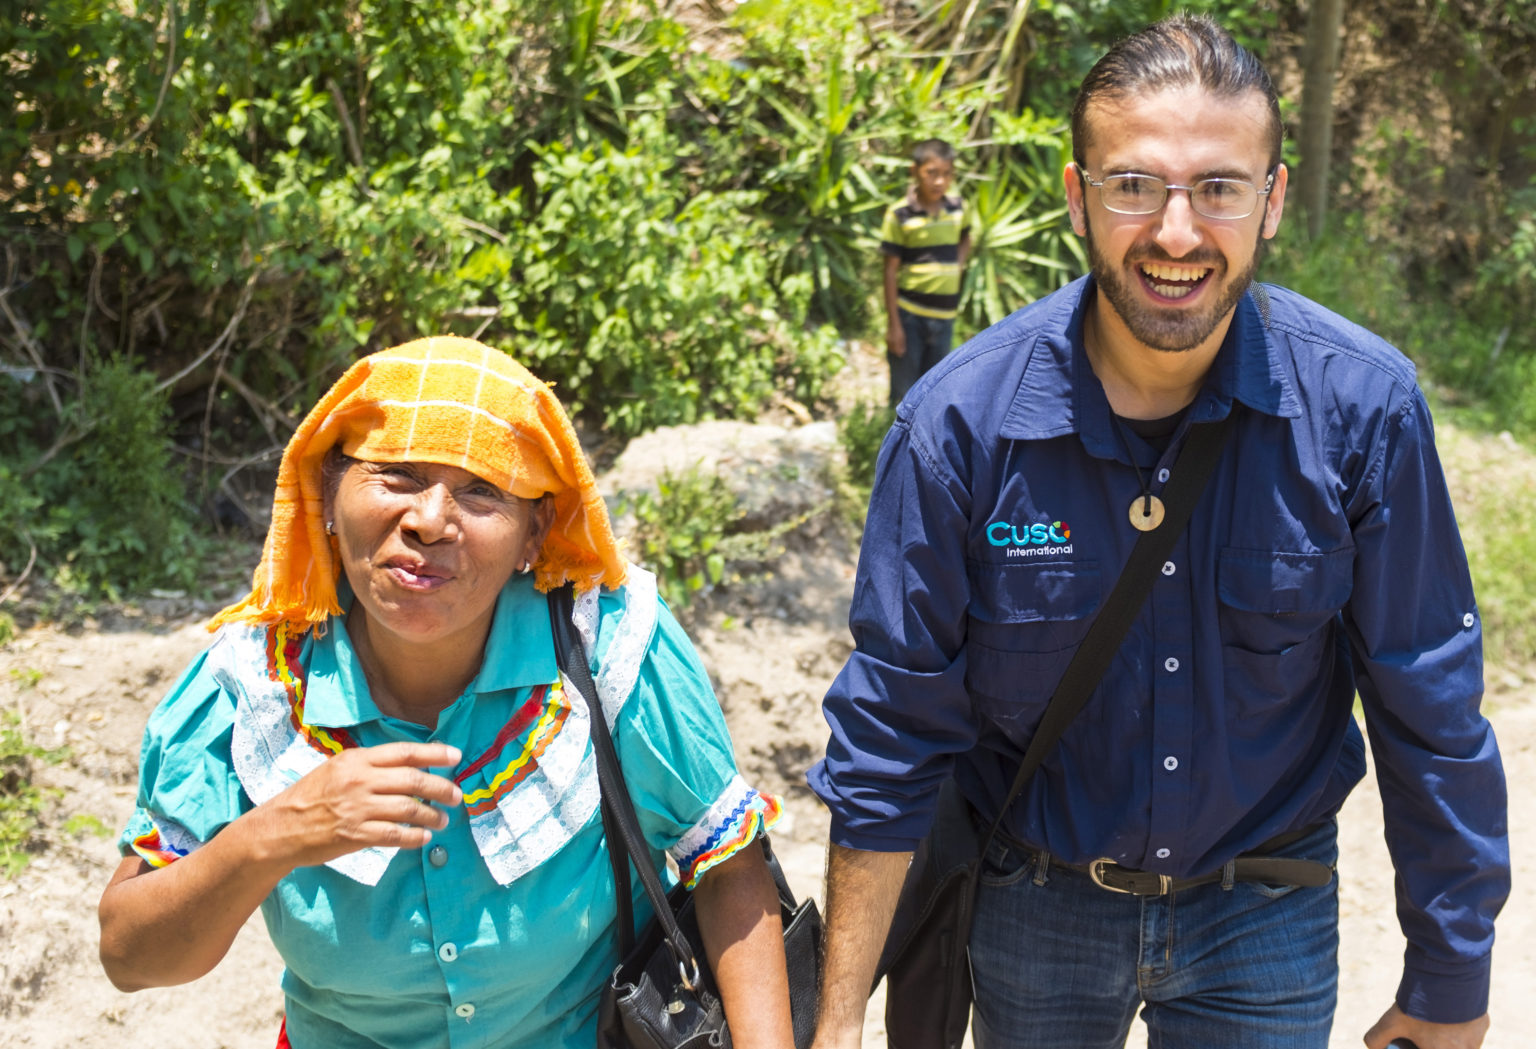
(92, 688)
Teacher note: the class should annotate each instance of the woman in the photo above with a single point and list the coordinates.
(379, 752)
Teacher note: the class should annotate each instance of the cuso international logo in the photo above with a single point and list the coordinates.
(1031, 540)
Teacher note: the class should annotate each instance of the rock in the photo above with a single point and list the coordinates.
(778, 474)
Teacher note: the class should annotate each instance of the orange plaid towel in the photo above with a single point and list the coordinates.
(442, 400)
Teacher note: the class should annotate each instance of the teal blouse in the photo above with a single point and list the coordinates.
(501, 931)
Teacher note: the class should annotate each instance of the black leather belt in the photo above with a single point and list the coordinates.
(1249, 867)
(1271, 870)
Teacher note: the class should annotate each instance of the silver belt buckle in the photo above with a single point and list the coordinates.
(1096, 873)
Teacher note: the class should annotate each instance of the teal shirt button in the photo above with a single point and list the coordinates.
(437, 856)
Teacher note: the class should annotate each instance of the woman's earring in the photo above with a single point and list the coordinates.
(330, 528)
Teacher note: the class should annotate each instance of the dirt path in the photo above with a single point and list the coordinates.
(94, 690)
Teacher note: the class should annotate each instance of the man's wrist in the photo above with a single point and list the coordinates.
(1438, 994)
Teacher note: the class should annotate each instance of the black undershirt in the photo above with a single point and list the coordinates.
(1156, 432)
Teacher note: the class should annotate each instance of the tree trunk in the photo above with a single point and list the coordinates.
(1322, 61)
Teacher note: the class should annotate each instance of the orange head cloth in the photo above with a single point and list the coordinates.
(441, 400)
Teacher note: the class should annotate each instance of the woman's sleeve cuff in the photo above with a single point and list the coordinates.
(158, 843)
(738, 815)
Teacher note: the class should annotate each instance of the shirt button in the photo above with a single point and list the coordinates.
(466, 1010)
(448, 952)
(1163, 854)
(1168, 568)
(1162, 475)
(437, 856)
(1468, 619)
(1170, 763)
(1170, 664)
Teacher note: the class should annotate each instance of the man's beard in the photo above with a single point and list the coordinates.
(1169, 330)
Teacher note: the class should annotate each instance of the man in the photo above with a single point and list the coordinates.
(1322, 558)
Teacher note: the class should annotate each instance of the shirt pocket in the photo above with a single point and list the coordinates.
(1277, 610)
(1025, 623)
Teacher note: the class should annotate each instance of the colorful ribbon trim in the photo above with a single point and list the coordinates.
(547, 704)
(283, 666)
(756, 813)
(155, 850)
(551, 720)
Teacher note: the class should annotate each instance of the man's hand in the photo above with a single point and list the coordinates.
(1396, 1024)
(895, 339)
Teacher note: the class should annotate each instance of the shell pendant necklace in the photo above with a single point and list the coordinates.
(1146, 510)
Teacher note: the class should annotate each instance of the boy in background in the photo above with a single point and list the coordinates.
(925, 240)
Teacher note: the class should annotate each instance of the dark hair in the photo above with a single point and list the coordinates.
(933, 149)
(1182, 51)
(332, 467)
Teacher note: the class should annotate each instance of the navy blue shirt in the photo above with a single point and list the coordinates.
(1322, 558)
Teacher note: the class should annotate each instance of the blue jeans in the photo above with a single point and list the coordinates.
(928, 340)
(1060, 963)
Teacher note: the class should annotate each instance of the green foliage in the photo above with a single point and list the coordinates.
(116, 513)
(21, 801)
(86, 823)
(1508, 278)
(1495, 516)
(19, 506)
(1068, 36)
(861, 431)
(679, 531)
(26, 678)
(689, 532)
(668, 296)
(668, 218)
(1022, 244)
(1466, 348)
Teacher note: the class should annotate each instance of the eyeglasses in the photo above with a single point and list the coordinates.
(1215, 198)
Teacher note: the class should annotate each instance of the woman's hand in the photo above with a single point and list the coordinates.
(170, 925)
(361, 797)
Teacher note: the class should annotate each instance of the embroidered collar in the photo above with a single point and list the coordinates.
(519, 653)
(527, 796)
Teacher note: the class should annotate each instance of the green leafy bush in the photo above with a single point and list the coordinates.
(1501, 551)
(646, 307)
(689, 532)
(679, 530)
(1022, 244)
(861, 430)
(21, 801)
(657, 215)
(108, 509)
(1466, 346)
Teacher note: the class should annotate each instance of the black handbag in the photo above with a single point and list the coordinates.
(926, 960)
(662, 995)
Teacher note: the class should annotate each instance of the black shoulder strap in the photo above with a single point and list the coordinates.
(620, 826)
(1197, 459)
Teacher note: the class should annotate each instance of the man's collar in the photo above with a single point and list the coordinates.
(519, 653)
(1058, 393)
